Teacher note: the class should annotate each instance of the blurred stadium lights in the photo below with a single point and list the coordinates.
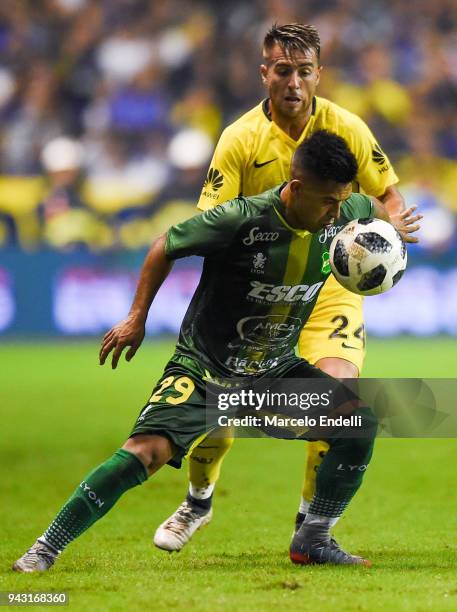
(190, 148)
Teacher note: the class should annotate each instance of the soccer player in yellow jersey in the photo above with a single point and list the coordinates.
(253, 155)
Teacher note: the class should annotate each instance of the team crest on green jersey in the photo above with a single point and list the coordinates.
(326, 268)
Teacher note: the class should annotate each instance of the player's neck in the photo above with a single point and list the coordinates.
(289, 216)
(292, 127)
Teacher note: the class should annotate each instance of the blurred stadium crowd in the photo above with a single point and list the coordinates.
(110, 109)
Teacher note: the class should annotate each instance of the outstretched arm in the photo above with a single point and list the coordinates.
(130, 332)
(404, 222)
(393, 201)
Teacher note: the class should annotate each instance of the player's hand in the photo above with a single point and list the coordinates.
(128, 333)
(406, 223)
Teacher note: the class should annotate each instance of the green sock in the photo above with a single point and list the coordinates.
(97, 494)
(342, 470)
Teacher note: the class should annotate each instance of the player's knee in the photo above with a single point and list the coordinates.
(213, 446)
(360, 448)
(152, 450)
(337, 367)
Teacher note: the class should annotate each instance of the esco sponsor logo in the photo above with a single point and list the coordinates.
(256, 236)
(283, 293)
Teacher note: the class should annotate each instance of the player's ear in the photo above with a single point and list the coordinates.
(317, 75)
(263, 73)
(295, 186)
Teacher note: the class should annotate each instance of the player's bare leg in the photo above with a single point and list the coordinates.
(338, 368)
(196, 510)
(130, 466)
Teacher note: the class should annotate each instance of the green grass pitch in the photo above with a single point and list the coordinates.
(62, 414)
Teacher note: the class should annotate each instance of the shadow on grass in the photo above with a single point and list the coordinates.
(262, 560)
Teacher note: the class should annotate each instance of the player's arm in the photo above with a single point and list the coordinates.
(393, 200)
(375, 174)
(203, 235)
(406, 223)
(223, 181)
(131, 331)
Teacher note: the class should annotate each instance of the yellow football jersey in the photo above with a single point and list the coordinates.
(254, 154)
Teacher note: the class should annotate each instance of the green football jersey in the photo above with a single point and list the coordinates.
(260, 280)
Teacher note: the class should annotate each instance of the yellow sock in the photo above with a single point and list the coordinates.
(206, 459)
(316, 452)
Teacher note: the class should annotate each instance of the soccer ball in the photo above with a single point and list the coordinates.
(368, 256)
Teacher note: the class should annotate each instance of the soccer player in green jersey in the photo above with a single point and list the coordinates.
(254, 154)
(284, 229)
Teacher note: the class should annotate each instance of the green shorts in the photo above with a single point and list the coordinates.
(177, 406)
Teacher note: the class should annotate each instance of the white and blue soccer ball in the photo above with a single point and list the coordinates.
(368, 256)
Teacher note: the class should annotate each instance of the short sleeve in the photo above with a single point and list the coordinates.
(207, 233)
(223, 181)
(375, 172)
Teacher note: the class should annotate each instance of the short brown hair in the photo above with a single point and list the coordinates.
(293, 37)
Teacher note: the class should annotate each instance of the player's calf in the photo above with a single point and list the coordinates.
(338, 479)
(94, 497)
(338, 368)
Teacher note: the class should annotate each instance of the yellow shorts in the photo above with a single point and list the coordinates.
(335, 327)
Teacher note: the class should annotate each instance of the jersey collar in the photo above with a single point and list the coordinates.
(280, 211)
(285, 137)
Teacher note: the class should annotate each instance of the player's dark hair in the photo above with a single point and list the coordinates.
(327, 157)
(293, 37)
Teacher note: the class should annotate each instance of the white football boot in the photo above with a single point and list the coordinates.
(177, 530)
(39, 558)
